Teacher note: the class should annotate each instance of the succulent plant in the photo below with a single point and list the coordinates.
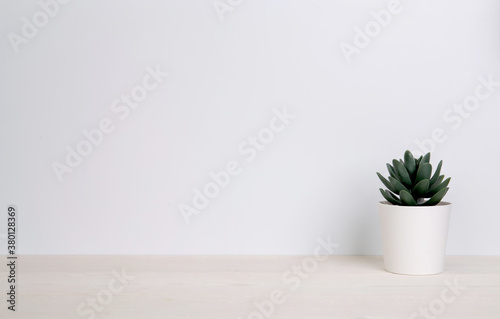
(410, 182)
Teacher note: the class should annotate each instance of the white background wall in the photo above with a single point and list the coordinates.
(316, 177)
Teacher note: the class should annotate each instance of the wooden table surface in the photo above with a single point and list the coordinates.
(254, 287)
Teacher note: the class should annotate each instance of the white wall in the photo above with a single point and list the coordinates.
(226, 76)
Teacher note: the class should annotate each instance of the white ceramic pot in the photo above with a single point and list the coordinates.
(414, 237)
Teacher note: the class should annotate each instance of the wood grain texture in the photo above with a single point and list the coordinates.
(53, 287)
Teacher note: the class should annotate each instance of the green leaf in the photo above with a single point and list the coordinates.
(436, 173)
(391, 171)
(402, 172)
(410, 164)
(436, 198)
(438, 187)
(437, 182)
(392, 195)
(426, 158)
(421, 187)
(386, 182)
(398, 187)
(389, 198)
(407, 199)
(419, 160)
(424, 172)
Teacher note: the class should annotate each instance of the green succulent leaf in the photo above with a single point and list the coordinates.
(436, 173)
(403, 175)
(419, 160)
(407, 199)
(386, 182)
(389, 197)
(410, 164)
(398, 187)
(434, 200)
(391, 171)
(424, 172)
(392, 195)
(421, 187)
(426, 158)
(437, 182)
(438, 187)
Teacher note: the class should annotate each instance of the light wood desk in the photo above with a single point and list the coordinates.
(220, 287)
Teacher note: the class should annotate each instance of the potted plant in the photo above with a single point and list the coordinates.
(414, 221)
